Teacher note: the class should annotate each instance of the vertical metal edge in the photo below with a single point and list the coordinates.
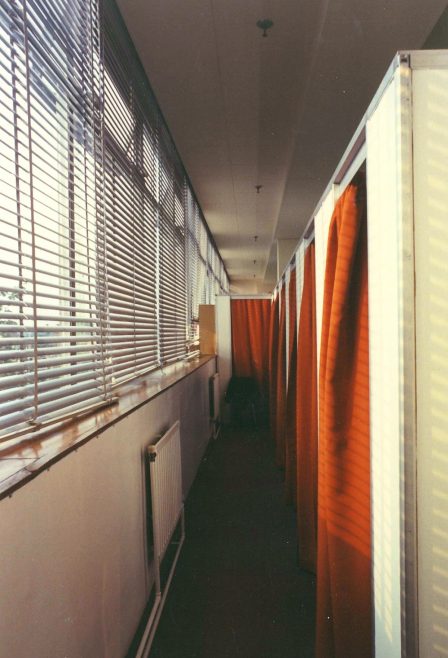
(408, 425)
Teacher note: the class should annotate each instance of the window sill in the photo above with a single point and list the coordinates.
(22, 460)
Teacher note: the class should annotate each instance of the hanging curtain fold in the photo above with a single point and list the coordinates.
(280, 412)
(290, 421)
(306, 419)
(250, 340)
(273, 357)
(344, 627)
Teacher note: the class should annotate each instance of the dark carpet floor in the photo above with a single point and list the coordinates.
(237, 591)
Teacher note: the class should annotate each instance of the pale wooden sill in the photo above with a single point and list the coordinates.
(28, 456)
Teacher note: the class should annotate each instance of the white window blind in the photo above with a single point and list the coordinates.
(131, 227)
(180, 264)
(172, 269)
(192, 228)
(52, 281)
(176, 325)
(104, 252)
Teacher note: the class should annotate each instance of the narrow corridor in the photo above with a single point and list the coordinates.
(237, 591)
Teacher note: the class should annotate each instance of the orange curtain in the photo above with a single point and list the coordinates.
(290, 423)
(280, 409)
(273, 356)
(344, 611)
(306, 420)
(250, 339)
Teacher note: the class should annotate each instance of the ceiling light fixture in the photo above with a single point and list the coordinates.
(265, 24)
(255, 238)
(258, 188)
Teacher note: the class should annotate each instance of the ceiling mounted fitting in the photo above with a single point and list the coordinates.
(265, 24)
(258, 188)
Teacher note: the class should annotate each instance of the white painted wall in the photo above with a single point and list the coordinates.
(430, 108)
(74, 571)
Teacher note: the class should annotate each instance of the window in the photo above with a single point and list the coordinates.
(192, 228)
(131, 202)
(173, 302)
(104, 252)
(52, 317)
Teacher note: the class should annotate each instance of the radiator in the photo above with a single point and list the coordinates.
(214, 396)
(215, 392)
(165, 469)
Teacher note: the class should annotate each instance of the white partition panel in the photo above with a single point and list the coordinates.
(321, 225)
(430, 98)
(389, 199)
(382, 162)
(300, 262)
(287, 282)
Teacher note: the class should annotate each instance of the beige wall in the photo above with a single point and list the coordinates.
(74, 573)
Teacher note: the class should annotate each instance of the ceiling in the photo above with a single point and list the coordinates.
(245, 110)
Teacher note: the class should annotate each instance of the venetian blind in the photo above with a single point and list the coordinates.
(193, 225)
(180, 266)
(104, 252)
(52, 314)
(131, 201)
